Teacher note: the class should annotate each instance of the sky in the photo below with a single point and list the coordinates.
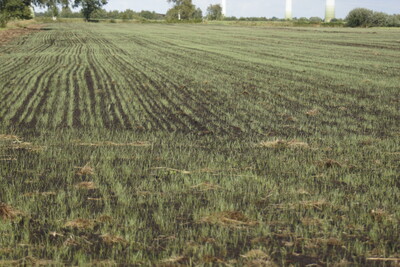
(265, 8)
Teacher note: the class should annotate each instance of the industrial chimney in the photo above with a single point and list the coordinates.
(288, 14)
(223, 5)
(330, 10)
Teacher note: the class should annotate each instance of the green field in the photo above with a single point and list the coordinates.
(211, 145)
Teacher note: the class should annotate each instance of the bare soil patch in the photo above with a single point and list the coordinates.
(11, 34)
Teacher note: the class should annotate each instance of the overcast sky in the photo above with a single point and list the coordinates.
(265, 8)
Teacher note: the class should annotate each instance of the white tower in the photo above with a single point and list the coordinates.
(330, 10)
(223, 5)
(288, 14)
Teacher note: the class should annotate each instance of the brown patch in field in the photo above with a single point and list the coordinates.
(329, 163)
(206, 186)
(86, 185)
(284, 144)
(8, 213)
(85, 170)
(229, 218)
(113, 144)
(312, 112)
(342, 108)
(80, 224)
(113, 239)
(11, 34)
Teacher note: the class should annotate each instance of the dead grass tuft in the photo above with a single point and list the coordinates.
(229, 218)
(86, 185)
(8, 213)
(80, 224)
(85, 170)
(312, 112)
(284, 144)
(8, 137)
(113, 239)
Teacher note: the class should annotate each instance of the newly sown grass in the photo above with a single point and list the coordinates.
(200, 145)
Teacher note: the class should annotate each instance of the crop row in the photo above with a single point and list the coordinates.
(248, 81)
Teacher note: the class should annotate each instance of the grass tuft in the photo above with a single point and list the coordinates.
(8, 213)
(284, 144)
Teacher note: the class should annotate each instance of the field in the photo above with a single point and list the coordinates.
(156, 144)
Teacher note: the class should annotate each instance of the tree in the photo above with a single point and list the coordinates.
(184, 10)
(379, 19)
(66, 12)
(214, 12)
(89, 6)
(21, 8)
(359, 17)
(13, 9)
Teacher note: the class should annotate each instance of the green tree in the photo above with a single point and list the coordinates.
(379, 19)
(359, 17)
(21, 8)
(214, 12)
(66, 12)
(13, 9)
(184, 10)
(89, 6)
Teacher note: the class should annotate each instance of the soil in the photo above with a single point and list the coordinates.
(11, 34)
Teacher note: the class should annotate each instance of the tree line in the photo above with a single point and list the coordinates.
(67, 12)
(22, 9)
(182, 10)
